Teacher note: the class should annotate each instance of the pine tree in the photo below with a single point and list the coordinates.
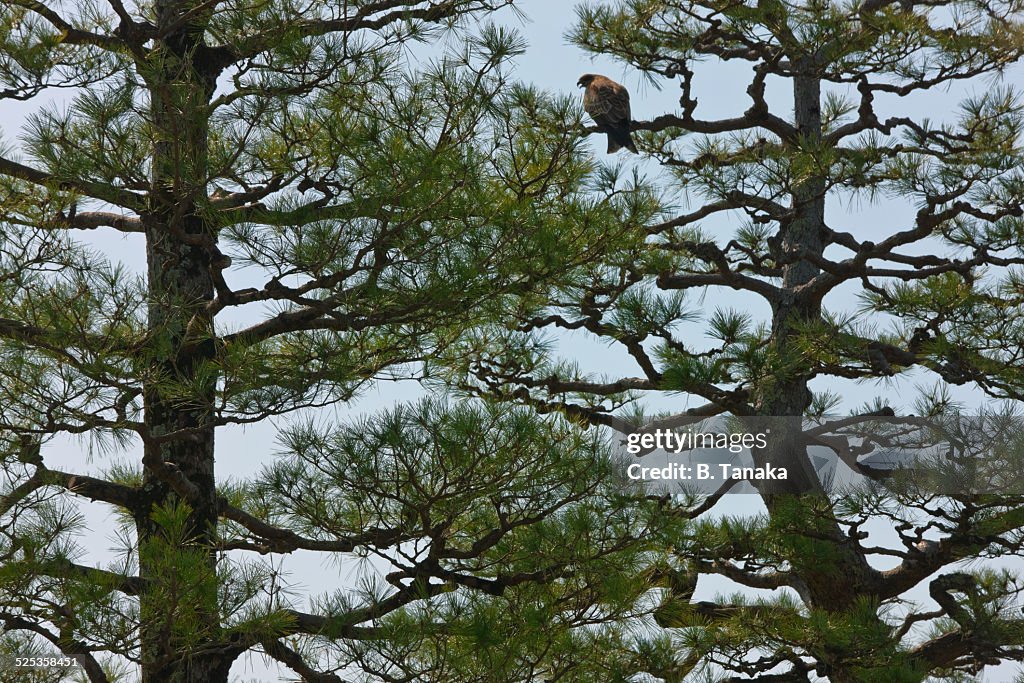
(314, 213)
(736, 303)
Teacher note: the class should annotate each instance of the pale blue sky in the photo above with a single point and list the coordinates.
(554, 65)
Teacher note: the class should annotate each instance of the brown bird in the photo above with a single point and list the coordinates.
(607, 102)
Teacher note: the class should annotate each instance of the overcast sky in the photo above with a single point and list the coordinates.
(552, 64)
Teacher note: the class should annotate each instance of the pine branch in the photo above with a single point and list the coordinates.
(294, 661)
(95, 489)
(371, 16)
(106, 193)
(71, 648)
(273, 539)
(69, 34)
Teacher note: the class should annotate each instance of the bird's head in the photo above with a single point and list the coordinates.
(585, 80)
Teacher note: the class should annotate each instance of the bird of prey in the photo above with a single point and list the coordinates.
(607, 102)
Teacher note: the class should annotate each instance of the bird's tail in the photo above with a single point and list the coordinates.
(619, 139)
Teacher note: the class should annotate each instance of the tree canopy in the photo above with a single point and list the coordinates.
(314, 212)
(770, 191)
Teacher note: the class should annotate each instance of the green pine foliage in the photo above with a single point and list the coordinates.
(306, 210)
(767, 293)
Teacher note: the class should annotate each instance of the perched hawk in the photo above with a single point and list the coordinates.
(607, 102)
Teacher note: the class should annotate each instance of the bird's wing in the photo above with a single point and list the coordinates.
(607, 102)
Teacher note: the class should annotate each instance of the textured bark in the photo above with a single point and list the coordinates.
(802, 235)
(833, 585)
(180, 286)
(789, 395)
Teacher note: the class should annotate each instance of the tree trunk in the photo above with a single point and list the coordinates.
(789, 396)
(833, 572)
(177, 524)
(799, 501)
